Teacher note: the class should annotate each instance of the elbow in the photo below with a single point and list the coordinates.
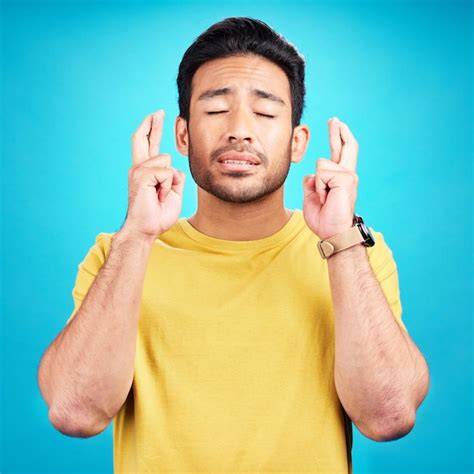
(390, 429)
(75, 427)
(42, 381)
(395, 432)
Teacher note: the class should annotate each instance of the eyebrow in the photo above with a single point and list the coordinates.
(211, 93)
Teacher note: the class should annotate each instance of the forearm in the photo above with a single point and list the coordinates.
(380, 375)
(87, 372)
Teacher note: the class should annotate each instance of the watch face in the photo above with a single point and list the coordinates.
(364, 230)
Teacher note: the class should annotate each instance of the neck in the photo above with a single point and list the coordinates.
(240, 221)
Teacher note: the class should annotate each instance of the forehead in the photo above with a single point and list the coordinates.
(242, 73)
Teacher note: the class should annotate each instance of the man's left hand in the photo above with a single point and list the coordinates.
(330, 194)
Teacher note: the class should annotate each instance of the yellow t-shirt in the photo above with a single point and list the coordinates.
(235, 355)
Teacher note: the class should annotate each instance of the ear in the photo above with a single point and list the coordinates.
(299, 142)
(181, 135)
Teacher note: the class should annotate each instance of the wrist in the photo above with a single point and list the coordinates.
(348, 253)
(132, 236)
(359, 233)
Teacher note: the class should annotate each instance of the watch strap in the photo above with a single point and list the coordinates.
(339, 242)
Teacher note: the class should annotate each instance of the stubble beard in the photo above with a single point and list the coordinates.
(237, 192)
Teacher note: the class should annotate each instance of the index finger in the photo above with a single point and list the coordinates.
(156, 132)
(140, 141)
(140, 138)
(335, 143)
(350, 148)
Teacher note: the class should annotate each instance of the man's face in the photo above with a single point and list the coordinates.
(241, 107)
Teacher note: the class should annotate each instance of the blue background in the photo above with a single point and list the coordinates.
(78, 78)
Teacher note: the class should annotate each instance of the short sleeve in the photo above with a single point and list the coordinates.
(88, 269)
(385, 269)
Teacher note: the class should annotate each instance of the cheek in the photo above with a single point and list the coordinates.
(276, 142)
(201, 139)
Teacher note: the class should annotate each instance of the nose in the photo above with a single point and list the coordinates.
(240, 127)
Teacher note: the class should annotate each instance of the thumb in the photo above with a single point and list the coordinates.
(309, 185)
(178, 182)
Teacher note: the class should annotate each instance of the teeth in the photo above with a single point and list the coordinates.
(238, 162)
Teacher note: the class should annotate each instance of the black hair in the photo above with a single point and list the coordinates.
(237, 36)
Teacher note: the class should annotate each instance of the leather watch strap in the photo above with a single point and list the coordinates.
(339, 242)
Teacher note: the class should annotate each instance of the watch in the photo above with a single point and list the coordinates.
(359, 233)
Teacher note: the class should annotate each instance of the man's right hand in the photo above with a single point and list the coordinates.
(155, 188)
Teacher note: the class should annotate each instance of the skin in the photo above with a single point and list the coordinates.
(226, 199)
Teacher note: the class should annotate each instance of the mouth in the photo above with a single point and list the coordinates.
(234, 161)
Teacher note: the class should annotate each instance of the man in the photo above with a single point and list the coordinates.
(249, 337)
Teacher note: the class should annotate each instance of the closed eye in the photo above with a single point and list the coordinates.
(223, 111)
